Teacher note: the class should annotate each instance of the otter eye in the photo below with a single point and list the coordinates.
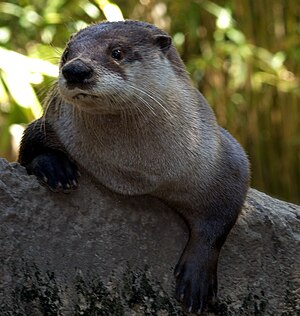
(117, 54)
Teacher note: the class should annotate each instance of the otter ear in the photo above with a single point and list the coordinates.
(163, 42)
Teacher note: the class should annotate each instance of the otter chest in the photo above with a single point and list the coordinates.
(125, 169)
(126, 165)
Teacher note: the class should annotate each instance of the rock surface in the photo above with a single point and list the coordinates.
(92, 252)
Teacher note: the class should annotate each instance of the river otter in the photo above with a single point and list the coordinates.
(125, 111)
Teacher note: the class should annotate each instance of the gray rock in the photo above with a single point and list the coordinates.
(92, 252)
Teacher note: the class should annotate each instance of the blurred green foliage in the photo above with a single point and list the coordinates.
(244, 56)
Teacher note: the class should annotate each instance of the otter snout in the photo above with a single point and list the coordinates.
(76, 71)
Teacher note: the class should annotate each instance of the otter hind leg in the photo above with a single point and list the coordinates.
(196, 271)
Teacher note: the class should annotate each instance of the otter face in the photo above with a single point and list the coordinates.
(112, 66)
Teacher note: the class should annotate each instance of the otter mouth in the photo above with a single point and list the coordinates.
(84, 95)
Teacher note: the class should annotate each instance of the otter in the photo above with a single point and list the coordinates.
(125, 111)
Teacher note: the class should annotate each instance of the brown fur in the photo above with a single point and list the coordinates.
(140, 127)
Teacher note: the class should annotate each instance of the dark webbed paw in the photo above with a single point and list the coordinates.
(196, 280)
(55, 170)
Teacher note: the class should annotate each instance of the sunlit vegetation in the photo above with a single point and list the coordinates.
(243, 55)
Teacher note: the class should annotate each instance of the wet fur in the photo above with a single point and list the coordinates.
(140, 127)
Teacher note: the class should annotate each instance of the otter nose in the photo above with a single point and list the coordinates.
(76, 71)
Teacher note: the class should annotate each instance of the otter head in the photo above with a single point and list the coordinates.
(115, 66)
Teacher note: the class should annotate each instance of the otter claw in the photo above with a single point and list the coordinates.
(196, 281)
(55, 170)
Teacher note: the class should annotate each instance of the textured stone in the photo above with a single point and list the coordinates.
(92, 252)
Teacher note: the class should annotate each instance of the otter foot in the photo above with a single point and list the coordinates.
(196, 278)
(55, 170)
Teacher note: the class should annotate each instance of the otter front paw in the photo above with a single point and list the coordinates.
(55, 170)
(196, 281)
